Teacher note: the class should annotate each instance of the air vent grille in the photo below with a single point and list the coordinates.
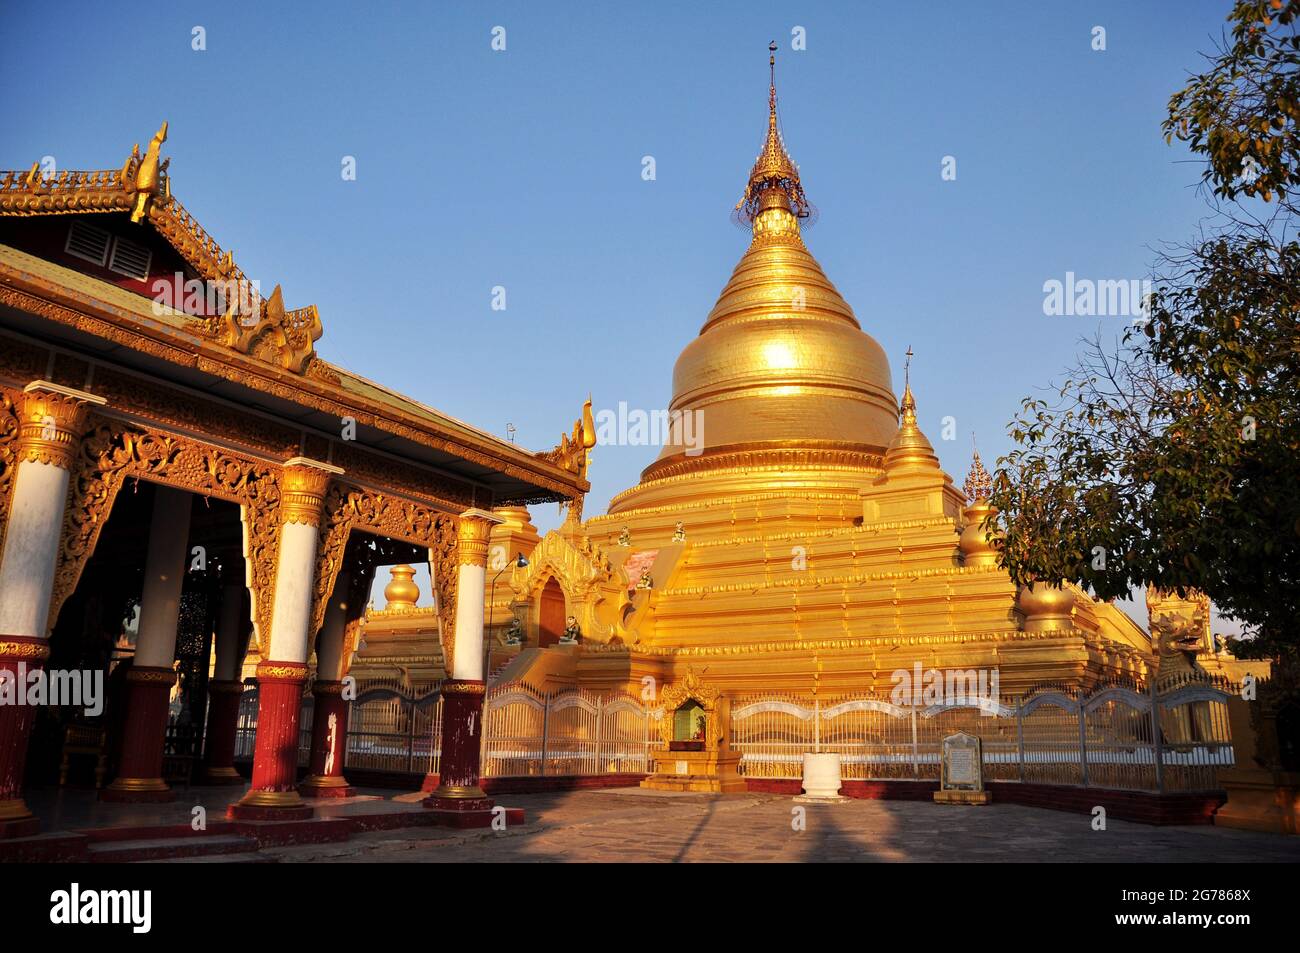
(130, 259)
(88, 242)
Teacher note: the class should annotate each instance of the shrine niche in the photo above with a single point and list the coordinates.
(694, 728)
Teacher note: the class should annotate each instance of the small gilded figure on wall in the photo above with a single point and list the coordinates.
(625, 537)
(679, 534)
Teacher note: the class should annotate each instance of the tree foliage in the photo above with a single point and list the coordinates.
(1170, 457)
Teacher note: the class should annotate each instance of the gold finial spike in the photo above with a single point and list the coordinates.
(909, 402)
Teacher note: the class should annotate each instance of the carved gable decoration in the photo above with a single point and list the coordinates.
(286, 338)
(577, 567)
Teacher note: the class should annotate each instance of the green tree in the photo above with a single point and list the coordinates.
(1171, 457)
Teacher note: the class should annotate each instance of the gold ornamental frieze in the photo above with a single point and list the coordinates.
(25, 651)
(114, 451)
(347, 507)
(8, 454)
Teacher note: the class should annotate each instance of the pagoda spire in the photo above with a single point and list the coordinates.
(774, 179)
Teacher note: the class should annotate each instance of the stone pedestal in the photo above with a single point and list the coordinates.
(716, 772)
(821, 780)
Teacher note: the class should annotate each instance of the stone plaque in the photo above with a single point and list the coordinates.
(962, 763)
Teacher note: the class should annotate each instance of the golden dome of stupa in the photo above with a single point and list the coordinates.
(781, 362)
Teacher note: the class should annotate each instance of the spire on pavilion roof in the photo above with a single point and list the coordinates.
(773, 168)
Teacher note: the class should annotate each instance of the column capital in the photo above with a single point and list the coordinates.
(51, 421)
(303, 487)
(474, 529)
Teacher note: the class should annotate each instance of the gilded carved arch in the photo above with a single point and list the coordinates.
(580, 570)
(349, 507)
(113, 451)
(8, 454)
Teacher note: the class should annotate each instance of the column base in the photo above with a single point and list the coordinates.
(270, 806)
(458, 798)
(325, 785)
(17, 820)
(137, 791)
(218, 776)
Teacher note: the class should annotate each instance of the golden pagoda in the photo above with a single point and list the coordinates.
(807, 539)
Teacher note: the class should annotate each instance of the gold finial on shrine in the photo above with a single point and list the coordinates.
(774, 179)
(909, 402)
(979, 484)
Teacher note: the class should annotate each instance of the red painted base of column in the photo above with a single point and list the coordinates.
(329, 741)
(139, 778)
(219, 741)
(458, 788)
(19, 656)
(274, 794)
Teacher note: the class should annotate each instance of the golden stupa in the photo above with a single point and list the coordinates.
(807, 540)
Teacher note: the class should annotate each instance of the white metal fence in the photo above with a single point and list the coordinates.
(1116, 737)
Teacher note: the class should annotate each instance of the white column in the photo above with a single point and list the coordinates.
(305, 483)
(329, 650)
(164, 576)
(467, 658)
(50, 422)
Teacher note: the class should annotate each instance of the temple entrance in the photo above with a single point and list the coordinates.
(550, 618)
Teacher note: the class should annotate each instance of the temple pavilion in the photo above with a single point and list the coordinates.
(186, 482)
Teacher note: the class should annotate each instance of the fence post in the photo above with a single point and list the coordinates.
(546, 717)
(817, 726)
(1020, 737)
(600, 721)
(410, 738)
(1083, 741)
(916, 753)
(1157, 749)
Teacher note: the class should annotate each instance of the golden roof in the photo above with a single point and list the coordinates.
(271, 350)
(781, 361)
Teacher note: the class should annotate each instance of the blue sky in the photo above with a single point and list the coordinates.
(522, 169)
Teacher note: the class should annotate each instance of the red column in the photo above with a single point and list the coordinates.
(274, 792)
(139, 775)
(462, 715)
(219, 740)
(19, 656)
(329, 743)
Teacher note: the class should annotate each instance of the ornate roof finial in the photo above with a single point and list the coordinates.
(909, 402)
(773, 169)
(978, 485)
(149, 174)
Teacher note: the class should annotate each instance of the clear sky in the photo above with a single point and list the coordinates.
(523, 169)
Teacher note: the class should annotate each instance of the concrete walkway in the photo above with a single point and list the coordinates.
(634, 825)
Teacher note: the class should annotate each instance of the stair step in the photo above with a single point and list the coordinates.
(157, 848)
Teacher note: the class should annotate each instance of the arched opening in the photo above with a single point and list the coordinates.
(550, 615)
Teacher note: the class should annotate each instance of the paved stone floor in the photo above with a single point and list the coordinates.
(634, 825)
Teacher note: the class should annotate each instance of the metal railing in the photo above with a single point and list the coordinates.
(1119, 736)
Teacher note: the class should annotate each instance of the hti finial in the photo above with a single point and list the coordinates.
(907, 369)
